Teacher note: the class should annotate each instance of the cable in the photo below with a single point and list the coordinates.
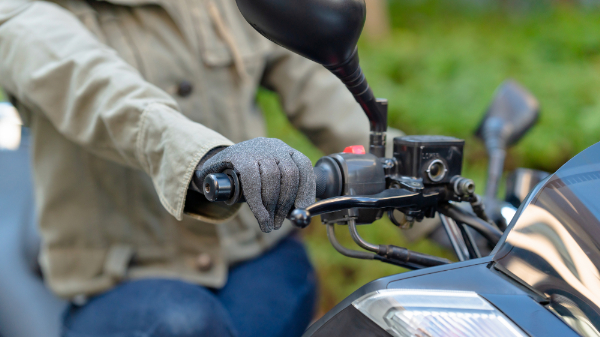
(343, 250)
(488, 231)
(397, 255)
(359, 240)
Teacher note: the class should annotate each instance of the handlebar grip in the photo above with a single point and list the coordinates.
(227, 187)
(321, 178)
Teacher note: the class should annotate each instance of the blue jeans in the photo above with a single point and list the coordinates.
(271, 296)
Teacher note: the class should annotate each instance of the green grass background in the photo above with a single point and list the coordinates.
(439, 69)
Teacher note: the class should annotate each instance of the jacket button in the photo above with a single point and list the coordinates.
(204, 262)
(185, 88)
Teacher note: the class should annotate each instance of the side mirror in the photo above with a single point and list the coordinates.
(326, 32)
(512, 113)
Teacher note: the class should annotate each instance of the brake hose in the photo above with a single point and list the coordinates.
(488, 231)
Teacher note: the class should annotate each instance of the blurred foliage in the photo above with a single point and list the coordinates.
(439, 70)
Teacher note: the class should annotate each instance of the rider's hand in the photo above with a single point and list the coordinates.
(274, 176)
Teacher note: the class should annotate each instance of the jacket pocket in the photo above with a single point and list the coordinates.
(225, 34)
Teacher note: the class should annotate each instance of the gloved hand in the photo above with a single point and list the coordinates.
(274, 177)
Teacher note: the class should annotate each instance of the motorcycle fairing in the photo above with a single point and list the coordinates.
(517, 302)
(553, 245)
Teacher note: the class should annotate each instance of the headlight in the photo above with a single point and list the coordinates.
(428, 313)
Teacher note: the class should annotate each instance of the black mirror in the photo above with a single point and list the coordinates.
(325, 31)
(512, 113)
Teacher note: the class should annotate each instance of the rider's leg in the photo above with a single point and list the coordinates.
(273, 295)
(150, 308)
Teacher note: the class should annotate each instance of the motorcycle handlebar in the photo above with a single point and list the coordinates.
(227, 187)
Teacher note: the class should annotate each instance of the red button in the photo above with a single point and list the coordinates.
(355, 149)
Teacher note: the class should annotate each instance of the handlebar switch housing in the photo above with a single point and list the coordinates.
(435, 159)
(361, 174)
(423, 173)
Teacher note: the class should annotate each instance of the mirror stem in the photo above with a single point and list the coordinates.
(352, 76)
(495, 168)
(495, 144)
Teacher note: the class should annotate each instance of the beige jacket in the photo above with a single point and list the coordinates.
(123, 98)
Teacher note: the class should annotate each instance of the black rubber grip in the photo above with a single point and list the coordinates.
(220, 187)
(321, 180)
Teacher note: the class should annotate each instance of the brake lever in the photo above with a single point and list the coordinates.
(390, 198)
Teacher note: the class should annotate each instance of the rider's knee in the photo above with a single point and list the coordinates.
(193, 318)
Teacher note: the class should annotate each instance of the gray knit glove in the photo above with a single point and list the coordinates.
(274, 177)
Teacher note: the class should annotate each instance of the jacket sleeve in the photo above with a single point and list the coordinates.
(56, 68)
(318, 103)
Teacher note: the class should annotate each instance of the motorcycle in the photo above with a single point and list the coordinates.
(542, 277)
